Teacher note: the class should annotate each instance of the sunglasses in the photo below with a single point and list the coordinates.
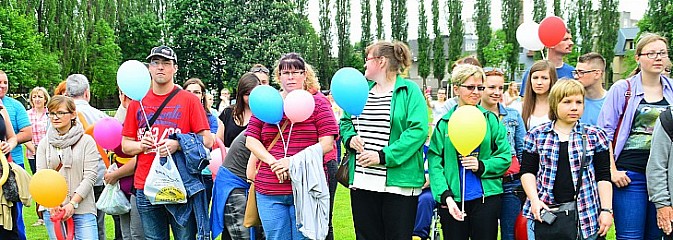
(259, 69)
(490, 71)
(471, 87)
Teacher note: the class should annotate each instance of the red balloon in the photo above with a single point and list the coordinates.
(552, 30)
(57, 219)
(521, 227)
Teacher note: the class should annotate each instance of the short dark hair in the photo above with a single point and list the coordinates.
(593, 57)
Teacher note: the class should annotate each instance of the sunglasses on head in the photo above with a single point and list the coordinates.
(490, 71)
(260, 69)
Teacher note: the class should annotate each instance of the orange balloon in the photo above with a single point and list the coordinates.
(48, 188)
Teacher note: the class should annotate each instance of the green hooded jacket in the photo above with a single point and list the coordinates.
(494, 159)
(408, 131)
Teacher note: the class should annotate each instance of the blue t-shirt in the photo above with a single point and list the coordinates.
(564, 71)
(592, 107)
(473, 188)
(19, 118)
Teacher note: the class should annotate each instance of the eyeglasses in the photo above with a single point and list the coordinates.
(155, 63)
(491, 71)
(580, 73)
(57, 114)
(370, 58)
(293, 73)
(472, 87)
(259, 69)
(653, 55)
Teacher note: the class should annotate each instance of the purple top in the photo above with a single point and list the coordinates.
(614, 103)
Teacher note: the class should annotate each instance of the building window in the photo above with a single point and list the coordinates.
(629, 45)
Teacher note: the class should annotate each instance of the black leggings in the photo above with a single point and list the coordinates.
(481, 222)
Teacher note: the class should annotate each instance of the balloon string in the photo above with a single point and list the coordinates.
(142, 108)
(282, 139)
(462, 196)
(288, 139)
(542, 52)
(357, 121)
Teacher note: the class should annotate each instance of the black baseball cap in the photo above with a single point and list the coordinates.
(164, 52)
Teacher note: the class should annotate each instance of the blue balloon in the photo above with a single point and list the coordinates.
(350, 90)
(134, 79)
(266, 104)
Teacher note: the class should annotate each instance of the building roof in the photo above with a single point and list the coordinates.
(623, 35)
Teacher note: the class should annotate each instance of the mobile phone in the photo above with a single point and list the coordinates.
(548, 217)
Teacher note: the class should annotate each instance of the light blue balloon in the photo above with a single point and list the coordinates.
(350, 90)
(134, 79)
(266, 104)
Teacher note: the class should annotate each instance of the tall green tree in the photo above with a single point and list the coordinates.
(608, 27)
(399, 20)
(497, 51)
(423, 44)
(103, 59)
(456, 32)
(137, 35)
(325, 62)
(585, 19)
(380, 28)
(343, 31)
(438, 57)
(539, 10)
(366, 20)
(557, 8)
(658, 19)
(483, 25)
(511, 18)
(22, 56)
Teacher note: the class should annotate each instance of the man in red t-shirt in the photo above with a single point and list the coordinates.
(183, 114)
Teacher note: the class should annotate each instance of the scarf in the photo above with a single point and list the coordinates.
(60, 146)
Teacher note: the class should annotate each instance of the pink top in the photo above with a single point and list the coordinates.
(38, 126)
(304, 134)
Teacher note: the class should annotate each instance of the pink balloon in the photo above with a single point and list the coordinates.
(108, 133)
(215, 161)
(298, 105)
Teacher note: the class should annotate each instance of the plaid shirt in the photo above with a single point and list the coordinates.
(38, 125)
(544, 141)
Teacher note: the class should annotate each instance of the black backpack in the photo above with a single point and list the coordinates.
(666, 120)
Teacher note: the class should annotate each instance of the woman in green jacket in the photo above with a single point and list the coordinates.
(385, 147)
(483, 168)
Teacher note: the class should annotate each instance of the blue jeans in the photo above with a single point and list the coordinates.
(278, 217)
(426, 203)
(511, 207)
(86, 226)
(156, 221)
(635, 216)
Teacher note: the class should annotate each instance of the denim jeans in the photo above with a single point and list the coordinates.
(511, 207)
(635, 215)
(156, 221)
(332, 167)
(424, 212)
(531, 235)
(278, 217)
(86, 226)
(19, 220)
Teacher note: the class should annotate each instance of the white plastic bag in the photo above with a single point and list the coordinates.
(112, 200)
(164, 184)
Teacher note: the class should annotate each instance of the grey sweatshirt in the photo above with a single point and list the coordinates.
(659, 170)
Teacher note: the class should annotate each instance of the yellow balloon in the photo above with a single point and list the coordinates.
(466, 129)
(48, 188)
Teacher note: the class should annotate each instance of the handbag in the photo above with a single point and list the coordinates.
(342, 174)
(627, 96)
(164, 184)
(566, 225)
(251, 217)
(10, 189)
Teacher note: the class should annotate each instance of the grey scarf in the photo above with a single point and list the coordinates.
(60, 146)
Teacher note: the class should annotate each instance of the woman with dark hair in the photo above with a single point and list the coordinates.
(235, 118)
(541, 77)
(314, 136)
(386, 148)
(196, 87)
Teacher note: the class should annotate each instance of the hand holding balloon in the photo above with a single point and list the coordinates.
(357, 143)
(470, 163)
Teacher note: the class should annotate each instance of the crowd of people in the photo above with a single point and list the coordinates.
(563, 142)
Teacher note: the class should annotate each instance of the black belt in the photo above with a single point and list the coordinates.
(511, 178)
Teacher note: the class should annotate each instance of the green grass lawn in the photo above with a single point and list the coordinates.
(343, 220)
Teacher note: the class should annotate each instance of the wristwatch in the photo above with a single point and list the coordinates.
(609, 210)
(74, 204)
